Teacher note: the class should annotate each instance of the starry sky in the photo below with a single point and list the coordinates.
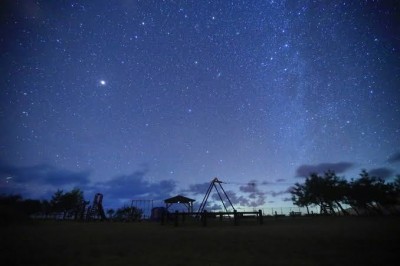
(149, 99)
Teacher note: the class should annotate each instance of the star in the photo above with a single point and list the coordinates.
(235, 90)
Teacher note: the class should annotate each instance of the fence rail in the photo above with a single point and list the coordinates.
(203, 217)
(286, 210)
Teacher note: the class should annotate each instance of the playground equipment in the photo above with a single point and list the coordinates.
(203, 215)
(81, 209)
(179, 217)
(96, 210)
(145, 205)
(214, 184)
(157, 213)
(187, 202)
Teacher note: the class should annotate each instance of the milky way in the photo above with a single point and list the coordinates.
(146, 99)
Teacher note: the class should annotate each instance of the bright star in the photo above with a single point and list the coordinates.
(102, 82)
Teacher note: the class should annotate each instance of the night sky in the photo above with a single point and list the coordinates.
(149, 99)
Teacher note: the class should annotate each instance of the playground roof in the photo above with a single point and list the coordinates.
(179, 199)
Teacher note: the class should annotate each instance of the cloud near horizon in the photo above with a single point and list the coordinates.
(394, 158)
(278, 193)
(43, 174)
(256, 196)
(249, 195)
(382, 172)
(197, 189)
(38, 180)
(41, 181)
(340, 167)
(135, 186)
(233, 197)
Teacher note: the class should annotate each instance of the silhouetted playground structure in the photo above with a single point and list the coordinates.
(164, 215)
(187, 202)
(214, 184)
(202, 215)
(96, 210)
(143, 204)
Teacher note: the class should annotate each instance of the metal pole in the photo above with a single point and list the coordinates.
(203, 203)
(220, 198)
(226, 195)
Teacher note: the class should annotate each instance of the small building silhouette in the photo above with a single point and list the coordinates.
(180, 200)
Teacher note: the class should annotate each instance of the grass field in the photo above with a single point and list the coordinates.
(286, 241)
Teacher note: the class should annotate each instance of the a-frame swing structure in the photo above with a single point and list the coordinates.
(96, 210)
(214, 184)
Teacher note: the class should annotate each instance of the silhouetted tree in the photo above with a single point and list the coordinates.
(30, 206)
(70, 203)
(110, 213)
(334, 190)
(15, 208)
(299, 196)
(74, 201)
(10, 199)
(367, 193)
(328, 192)
(317, 193)
(396, 188)
(9, 209)
(46, 208)
(371, 194)
(56, 201)
(128, 214)
(396, 184)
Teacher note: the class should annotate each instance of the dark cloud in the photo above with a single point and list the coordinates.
(381, 172)
(197, 189)
(280, 180)
(266, 183)
(250, 187)
(287, 199)
(255, 196)
(394, 158)
(43, 180)
(233, 197)
(252, 195)
(306, 170)
(39, 181)
(258, 202)
(278, 193)
(214, 207)
(43, 174)
(136, 186)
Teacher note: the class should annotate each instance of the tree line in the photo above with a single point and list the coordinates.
(364, 195)
(70, 205)
(333, 194)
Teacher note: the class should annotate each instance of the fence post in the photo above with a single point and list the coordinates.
(204, 218)
(163, 218)
(176, 218)
(235, 218)
(260, 217)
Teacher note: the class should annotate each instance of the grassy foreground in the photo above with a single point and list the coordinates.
(289, 241)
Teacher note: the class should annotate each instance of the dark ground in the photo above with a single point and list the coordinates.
(283, 241)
